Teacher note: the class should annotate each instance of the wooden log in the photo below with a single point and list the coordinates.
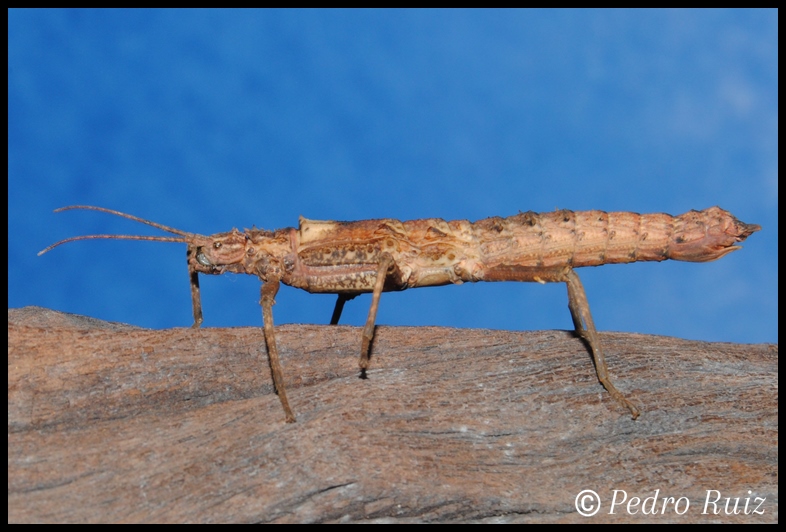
(113, 423)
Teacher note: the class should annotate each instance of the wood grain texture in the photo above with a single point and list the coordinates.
(111, 423)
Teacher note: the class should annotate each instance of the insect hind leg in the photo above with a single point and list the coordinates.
(579, 311)
(585, 328)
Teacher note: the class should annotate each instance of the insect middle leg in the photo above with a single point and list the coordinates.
(342, 298)
(385, 263)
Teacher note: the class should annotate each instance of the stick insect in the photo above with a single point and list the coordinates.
(351, 258)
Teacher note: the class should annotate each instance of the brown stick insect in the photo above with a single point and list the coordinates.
(351, 258)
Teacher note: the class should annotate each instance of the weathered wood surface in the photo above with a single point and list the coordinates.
(108, 422)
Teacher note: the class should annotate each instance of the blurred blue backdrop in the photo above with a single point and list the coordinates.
(208, 120)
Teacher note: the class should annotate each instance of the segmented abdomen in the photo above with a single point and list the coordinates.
(591, 238)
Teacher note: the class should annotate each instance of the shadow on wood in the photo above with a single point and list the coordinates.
(109, 422)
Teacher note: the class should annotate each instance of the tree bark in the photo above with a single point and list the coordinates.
(109, 422)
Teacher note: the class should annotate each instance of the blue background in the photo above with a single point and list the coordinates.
(208, 120)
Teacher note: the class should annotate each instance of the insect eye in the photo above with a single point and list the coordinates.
(200, 257)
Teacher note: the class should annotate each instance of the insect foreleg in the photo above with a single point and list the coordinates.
(342, 298)
(196, 300)
(385, 262)
(268, 295)
(582, 320)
